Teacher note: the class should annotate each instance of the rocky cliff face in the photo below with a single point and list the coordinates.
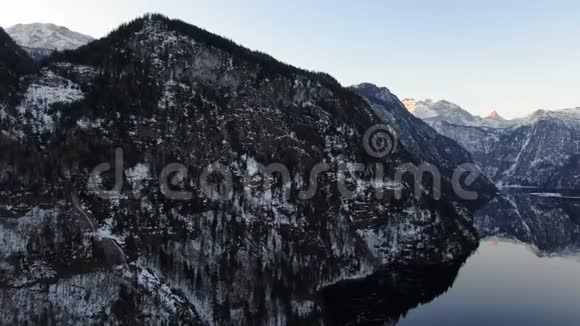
(541, 150)
(222, 251)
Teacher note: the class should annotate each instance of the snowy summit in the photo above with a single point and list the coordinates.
(47, 36)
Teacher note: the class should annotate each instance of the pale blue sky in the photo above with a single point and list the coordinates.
(511, 56)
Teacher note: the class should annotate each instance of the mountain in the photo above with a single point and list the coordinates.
(541, 150)
(423, 142)
(180, 123)
(495, 116)
(40, 40)
(440, 110)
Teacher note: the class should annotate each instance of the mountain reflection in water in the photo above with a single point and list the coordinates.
(525, 272)
(385, 296)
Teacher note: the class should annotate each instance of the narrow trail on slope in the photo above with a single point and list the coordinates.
(112, 251)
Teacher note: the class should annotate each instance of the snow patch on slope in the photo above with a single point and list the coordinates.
(41, 95)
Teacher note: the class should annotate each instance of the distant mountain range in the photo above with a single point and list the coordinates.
(40, 40)
(540, 150)
(432, 111)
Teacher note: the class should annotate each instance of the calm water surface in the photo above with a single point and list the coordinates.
(506, 283)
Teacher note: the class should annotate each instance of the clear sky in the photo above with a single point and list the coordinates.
(511, 56)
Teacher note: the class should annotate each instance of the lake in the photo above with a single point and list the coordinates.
(506, 283)
(526, 271)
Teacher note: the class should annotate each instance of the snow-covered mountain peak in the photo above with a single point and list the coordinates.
(570, 117)
(495, 116)
(47, 36)
(444, 111)
(439, 110)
